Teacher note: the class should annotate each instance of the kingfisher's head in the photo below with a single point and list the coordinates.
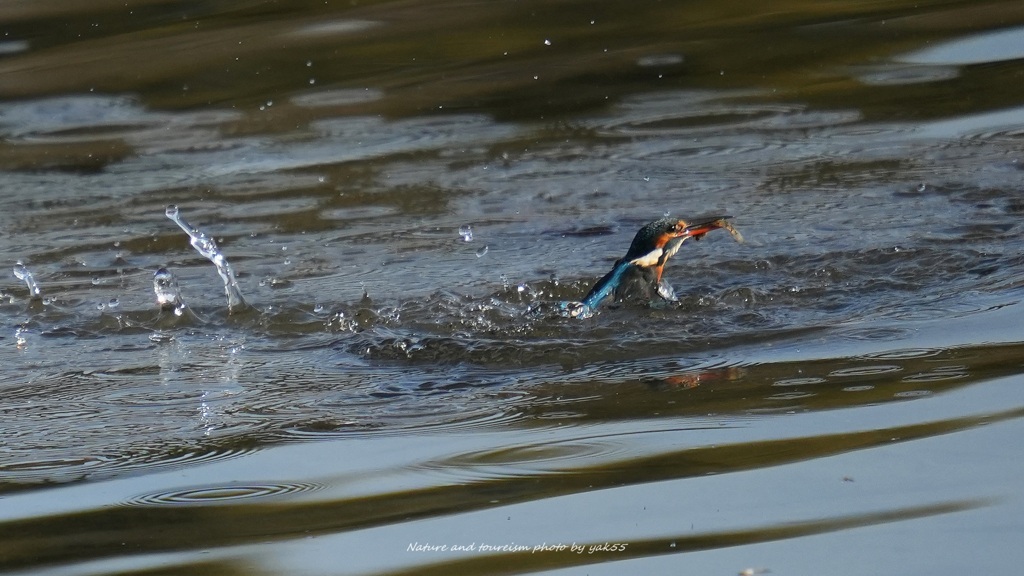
(658, 241)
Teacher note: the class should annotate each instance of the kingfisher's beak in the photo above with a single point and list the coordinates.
(697, 229)
(704, 225)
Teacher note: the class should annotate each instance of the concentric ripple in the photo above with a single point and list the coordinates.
(221, 494)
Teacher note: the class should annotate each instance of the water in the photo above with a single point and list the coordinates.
(21, 272)
(398, 392)
(208, 248)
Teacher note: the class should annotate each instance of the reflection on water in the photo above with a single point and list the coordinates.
(394, 200)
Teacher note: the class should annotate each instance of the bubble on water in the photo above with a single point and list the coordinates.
(23, 273)
(466, 231)
(922, 187)
(96, 281)
(318, 308)
(168, 296)
(480, 253)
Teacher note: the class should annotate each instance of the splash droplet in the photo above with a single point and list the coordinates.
(480, 253)
(466, 231)
(206, 246)
(24, 274)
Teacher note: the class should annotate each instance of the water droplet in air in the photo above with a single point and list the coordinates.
(547, 42)
(23, 273)
(466, 231)
(208, 248)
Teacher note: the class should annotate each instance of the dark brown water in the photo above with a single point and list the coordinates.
(396, 184)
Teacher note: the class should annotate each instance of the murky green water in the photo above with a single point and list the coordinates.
(396, 184)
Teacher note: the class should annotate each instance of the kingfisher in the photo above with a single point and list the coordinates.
(637, 275)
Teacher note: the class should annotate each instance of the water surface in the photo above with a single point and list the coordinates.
(397, 184)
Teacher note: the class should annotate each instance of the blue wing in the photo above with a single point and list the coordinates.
(607, 284)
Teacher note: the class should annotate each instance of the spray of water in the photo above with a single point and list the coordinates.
(206, 246)
(25, 274)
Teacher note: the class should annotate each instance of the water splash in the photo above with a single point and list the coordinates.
(575, 309)
(666, 291)
(466, 231)
(168, 295)
(206, 246)
(23, 273)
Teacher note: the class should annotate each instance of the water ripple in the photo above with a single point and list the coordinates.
(221, 494)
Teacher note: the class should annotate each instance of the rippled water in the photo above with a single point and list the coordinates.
(400, 187)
